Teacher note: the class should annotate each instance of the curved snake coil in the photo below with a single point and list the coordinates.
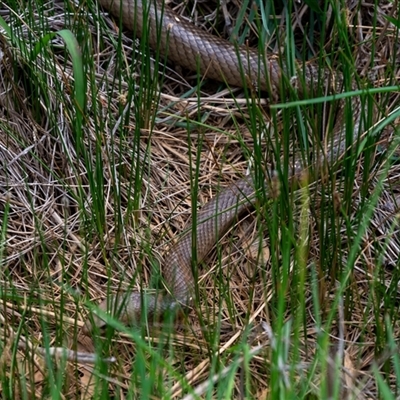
(220, 60)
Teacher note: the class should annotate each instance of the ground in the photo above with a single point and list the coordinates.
(93, 196)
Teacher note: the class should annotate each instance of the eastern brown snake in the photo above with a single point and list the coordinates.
(223, 61)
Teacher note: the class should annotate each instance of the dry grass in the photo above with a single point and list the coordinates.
(68, 238)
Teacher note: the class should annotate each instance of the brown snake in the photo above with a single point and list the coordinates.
(217, 59)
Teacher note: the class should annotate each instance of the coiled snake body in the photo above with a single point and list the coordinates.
(220, 60)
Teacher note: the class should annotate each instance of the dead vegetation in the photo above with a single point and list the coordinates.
(72, 234)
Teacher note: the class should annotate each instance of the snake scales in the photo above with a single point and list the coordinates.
(219, 60)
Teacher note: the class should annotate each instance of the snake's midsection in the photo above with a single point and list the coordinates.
(221, 60)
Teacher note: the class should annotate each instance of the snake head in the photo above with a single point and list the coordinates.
(94, 320)
(133, 309)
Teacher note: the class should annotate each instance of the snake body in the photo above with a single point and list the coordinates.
(223, 61)
(213, 220)
(187, 45)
